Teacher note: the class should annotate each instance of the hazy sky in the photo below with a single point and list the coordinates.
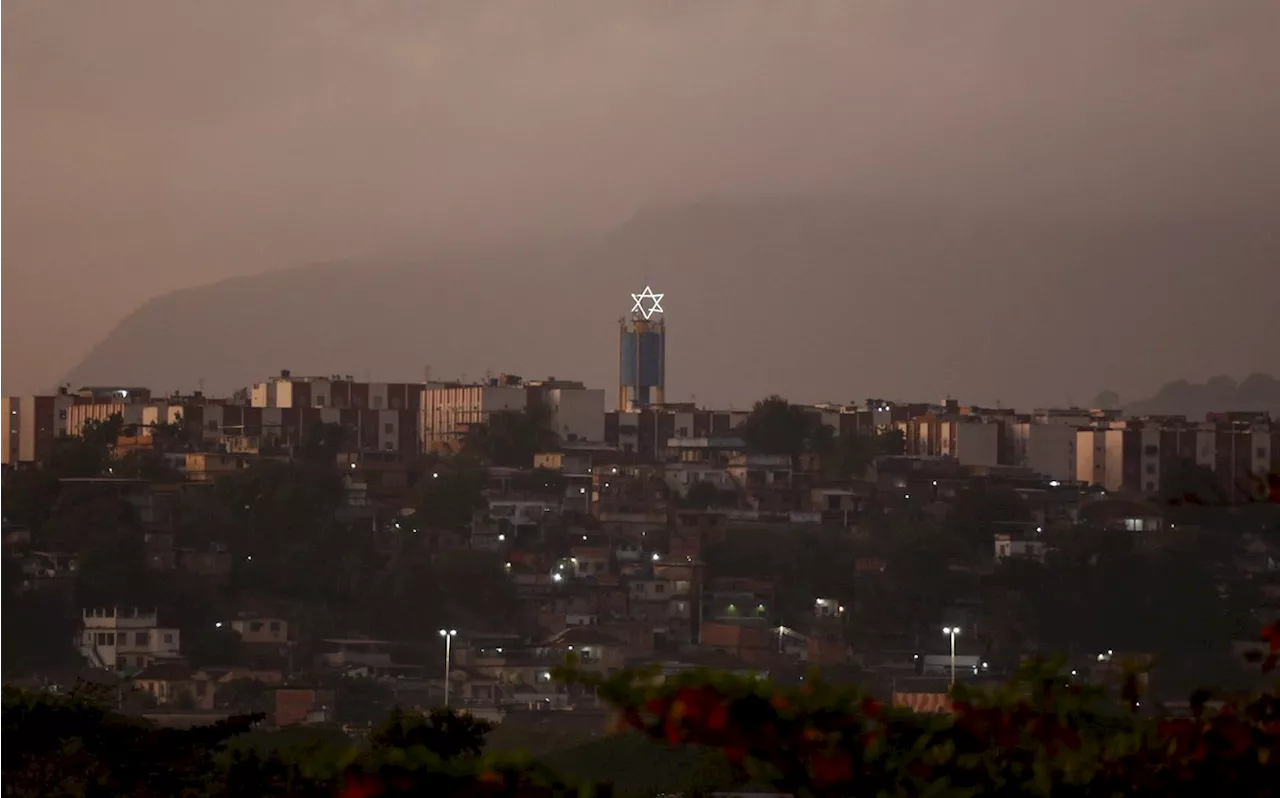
(156, 144)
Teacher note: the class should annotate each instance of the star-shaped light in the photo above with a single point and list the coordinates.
(639, 307)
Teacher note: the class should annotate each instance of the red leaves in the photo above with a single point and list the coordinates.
(362, 786)
(1271, 636)
(1049, 727)
(831, 767)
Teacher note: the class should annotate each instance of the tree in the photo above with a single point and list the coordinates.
(213, 644)
(980, 511)
(775, 426)
(147, 464)
(29, 496)
(444, 732)
(891, 442)
(88, 454)
(701, 495)
(851, 455)
(1186, 482)
(510, 438)
(322, 443)
(447, 497)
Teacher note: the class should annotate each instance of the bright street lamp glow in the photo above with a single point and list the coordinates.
(951, 630)
(448, 633)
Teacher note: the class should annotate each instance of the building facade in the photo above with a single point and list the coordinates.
(125, 638)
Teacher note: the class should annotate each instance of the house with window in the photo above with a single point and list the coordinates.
(125, 638)
(258, 630)
(172, 683)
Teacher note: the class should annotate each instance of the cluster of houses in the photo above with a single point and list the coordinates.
(610, 564)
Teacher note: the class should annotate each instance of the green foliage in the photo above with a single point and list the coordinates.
(636, 766)
(851, 454)
(204, 646)
(803, 564)
(510, 438)
(980, 510)
(775, 426)
(322, 443)
(1039, 735)
(147, 464)
(1186, 481)
(447, 496)
(88, 454)
(448, 734)
(701, 495)
(71, 746)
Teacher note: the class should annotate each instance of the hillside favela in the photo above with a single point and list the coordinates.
(640, 399)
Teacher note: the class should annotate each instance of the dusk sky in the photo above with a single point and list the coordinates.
(152, 145)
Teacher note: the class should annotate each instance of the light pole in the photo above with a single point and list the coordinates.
(952, 631)
(448, 636)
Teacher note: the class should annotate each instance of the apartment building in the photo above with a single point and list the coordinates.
(1133, 455)
(971, 440)
(31, 425)
(337, 391)
(125, 638)
(448, 411)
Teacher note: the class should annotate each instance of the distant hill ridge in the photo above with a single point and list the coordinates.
(806, 297)
(1219, 394)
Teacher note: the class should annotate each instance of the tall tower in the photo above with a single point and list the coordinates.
(642, 354)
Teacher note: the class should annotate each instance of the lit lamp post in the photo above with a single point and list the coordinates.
(448, 636)
(952, 631)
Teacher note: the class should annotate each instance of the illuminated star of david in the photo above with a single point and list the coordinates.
(647, 294)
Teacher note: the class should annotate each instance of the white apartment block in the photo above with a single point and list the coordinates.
(31, 425)
(1046, 448)
(578, 413)
(125, 638)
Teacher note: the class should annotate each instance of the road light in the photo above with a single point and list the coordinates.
(448, 635)
(952, 631)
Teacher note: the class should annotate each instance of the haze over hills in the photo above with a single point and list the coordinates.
(871, 285)
(1254, 392)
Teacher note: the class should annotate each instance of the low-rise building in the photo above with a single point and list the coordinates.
(125, 638)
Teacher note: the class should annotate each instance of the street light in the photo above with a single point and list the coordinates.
(448, 636)
(952, 631)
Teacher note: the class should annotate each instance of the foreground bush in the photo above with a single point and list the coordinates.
(1039, 735)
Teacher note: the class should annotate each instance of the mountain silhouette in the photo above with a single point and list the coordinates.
(817, 298)
(1180, 397)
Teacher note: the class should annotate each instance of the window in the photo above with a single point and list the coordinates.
(659, 588)
(256, 626)
(212, 426)
(389, 428)
(319, 401)
(275, 626)
(142, 638)
(377, 403)
(62, 414)
(111, 638)
(1262, 453)
(1151, 468)
(1150, 449)
(168, 638)
(1151, 486)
